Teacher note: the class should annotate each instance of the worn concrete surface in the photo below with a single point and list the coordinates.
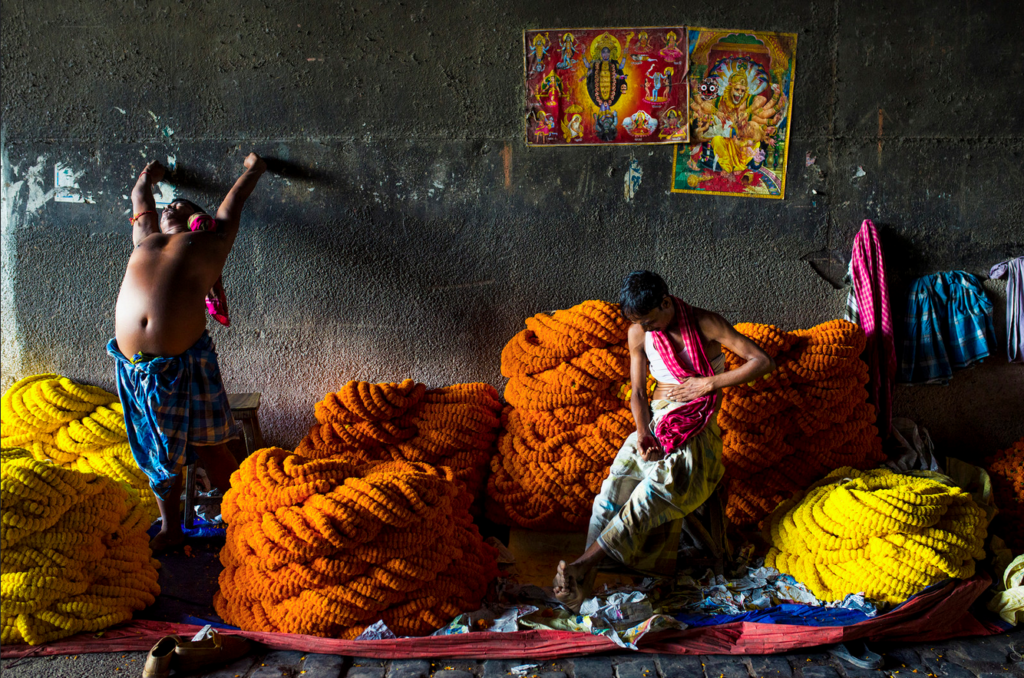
(966, 658)
(409, 231)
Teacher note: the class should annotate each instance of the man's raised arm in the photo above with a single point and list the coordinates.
(230, 210)
(145, 220)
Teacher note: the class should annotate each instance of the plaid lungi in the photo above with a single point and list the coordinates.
(172, 403)
(948, 326)
(638, 515)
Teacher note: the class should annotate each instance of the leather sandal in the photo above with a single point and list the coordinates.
(857, 653)
(158, 662)
(214, 650)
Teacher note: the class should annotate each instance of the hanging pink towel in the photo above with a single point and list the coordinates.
(688, 420)
(216, 298)
(869, 286)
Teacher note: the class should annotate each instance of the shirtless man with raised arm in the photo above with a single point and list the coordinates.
(672, 463)
(175, 406)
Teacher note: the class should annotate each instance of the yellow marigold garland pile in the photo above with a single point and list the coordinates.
(1006, 469)
(455, 426)
(77, 426)
(74, 553)
(568, 415)
(809, 416)
(328, 546)
(878, 532)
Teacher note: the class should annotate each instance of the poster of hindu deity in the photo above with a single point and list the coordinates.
(606, 86)
(741, 96)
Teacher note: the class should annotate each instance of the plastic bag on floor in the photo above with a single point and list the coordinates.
(1009, 604)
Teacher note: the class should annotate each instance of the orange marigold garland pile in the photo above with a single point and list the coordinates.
(1006, 469)
(806, 418)
(328, 546)
(568, 415)
(455, 426)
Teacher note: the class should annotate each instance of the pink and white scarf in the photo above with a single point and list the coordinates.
(869, 285)
(689, 419)
(216, 298)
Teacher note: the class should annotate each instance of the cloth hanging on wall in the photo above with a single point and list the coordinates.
(869, 304)
(948, 326)
(1014, 272)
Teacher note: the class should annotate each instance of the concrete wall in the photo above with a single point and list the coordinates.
(411, 231)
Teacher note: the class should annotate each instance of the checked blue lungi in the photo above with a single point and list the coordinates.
(171, 404)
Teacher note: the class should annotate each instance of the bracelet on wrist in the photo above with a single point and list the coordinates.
(138, 215)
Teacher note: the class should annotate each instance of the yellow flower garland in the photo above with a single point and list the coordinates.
(74, 554)
(880, 533)
(77, 426)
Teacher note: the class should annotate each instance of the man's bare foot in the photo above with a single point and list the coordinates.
(570, 585)
(166, 540)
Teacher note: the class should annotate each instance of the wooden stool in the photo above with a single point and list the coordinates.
(245, 409)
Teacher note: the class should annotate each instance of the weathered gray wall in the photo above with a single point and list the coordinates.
(412, 230)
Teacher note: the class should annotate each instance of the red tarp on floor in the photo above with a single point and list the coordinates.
(935, 615)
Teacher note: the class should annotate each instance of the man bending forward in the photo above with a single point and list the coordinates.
(175, 406)
(672, 464)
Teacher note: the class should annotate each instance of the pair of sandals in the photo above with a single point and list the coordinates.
(183, 656)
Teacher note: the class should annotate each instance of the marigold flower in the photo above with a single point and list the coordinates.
(73, 547)
(327, 546)
(77, 426)
(878, 532)
(1006, 468)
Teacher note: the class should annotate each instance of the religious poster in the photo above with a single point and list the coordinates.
(741, 89)
(606, 86)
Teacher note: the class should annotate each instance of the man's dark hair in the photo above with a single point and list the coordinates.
(191, 204)
(641, 293)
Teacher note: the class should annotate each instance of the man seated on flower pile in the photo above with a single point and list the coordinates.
(672, 463)
(175, 406)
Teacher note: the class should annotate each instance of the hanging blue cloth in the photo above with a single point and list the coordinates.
(948, 326)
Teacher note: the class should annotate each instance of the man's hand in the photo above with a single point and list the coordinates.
(690, 389)
(650, 448)
(255, 163)
(154, 172)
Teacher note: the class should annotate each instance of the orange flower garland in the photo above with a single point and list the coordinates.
(455, 426)
(328, 546)
(568, 395)
(1006, 469)
(568, 414)
(806, 418)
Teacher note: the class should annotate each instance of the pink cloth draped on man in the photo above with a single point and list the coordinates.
(216, 298)
(689, 419)
(868, 269)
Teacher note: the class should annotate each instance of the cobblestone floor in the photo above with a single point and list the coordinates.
(992, 657)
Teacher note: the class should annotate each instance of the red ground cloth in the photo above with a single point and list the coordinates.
(935, 615)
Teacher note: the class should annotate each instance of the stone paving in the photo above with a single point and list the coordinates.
(991, 657)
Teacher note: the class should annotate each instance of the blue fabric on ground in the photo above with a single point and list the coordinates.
(797, 615)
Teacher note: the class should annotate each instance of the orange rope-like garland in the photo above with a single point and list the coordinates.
(1006, 468)
(455, 426)
(568, 395)
(328, 546)
(806, 418)
(568, 414)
